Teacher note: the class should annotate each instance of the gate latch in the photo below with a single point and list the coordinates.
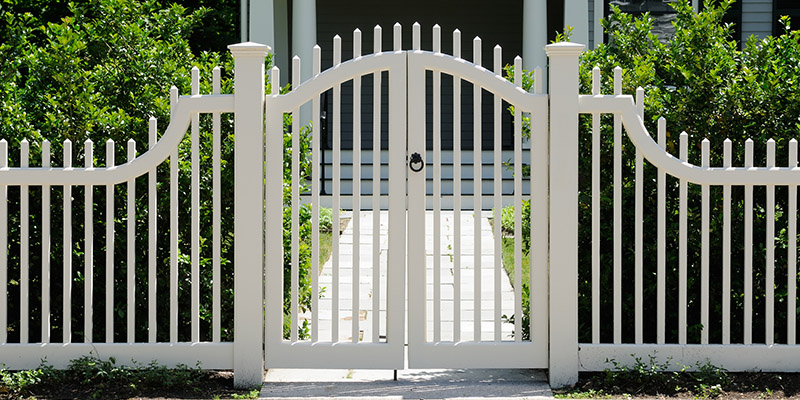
(416, 162)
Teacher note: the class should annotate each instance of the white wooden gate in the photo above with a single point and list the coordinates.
(458, 295)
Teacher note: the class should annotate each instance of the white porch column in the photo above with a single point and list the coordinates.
(564, 213)
(534, 36)
(599, 12)
(269, 25)
(576, 15)
(304, 38)
(262, 22)
(248, 206)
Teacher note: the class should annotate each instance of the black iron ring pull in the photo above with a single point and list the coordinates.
(416, 162)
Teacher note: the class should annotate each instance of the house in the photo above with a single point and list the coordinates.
(521, 27)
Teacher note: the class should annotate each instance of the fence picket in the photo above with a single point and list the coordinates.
(45, 247)
(316, 131)
(682, 246)
(704, 243)
(376, 190)
(195, 222)
(174, 250)
(152, 227)
(295, 212)
(498, 200)
(791, 276)
(437, 192)
(456, 193)
(216, 192)
(517, 206)
(596, 212)
(661, 257)
(356, 284)
(748, 248)
(109, 248)
(4, 246)
(477, 138)
(24, 256)
(770, 247)
(638, 229)
(337, 151)
(617, 213)
(88, 244)
(726, 247)
(131, 243)
(67, 239)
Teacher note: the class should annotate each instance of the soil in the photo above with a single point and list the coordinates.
(740, 385)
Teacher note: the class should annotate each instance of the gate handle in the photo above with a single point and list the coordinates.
(416, 159)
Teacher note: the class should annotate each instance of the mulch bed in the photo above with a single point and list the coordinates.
(214, 384)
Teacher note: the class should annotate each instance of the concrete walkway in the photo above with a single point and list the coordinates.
(412, 384)
(488, 312)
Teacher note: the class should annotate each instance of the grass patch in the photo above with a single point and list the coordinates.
(91, 377)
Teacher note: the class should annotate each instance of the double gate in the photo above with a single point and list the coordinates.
(421, 266)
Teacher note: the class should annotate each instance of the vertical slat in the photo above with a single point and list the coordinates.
(661, 263)
(617, 213)
(88, 243)
(195, 256)
(397, 36)
(538, 283)
(337, 150)
(498, 201)
(748, 248)
(24, 221)
(45, 247)
(216, 193)
(4, 247)
(704, 243)
(517, 206)
(638, 229)
(376, 192)
(295, 255)
(770, 245)
(437, 192)
(415, 36)
(791, 277)
(726, 246)
(596, 212)
(356, 278)
(315, 166)
(67, 235)
(173, 233)
(477, 191)
(131, 264)
(152, 226)
(109, 247)
(456, 193)
(682, 226)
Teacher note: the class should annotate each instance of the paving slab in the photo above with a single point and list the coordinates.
(410, 384)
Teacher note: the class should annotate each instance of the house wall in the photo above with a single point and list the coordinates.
(756, 18)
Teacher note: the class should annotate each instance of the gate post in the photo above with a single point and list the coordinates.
(248, 220)
(563, 267)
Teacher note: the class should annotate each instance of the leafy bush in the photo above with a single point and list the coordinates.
(99, 70)
(702, 84)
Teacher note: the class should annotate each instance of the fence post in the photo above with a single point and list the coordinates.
(563, 212)
(248, 203)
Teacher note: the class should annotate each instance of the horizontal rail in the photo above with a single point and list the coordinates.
(733, 357)
(181, 117)
(658, 156)
(209, 355)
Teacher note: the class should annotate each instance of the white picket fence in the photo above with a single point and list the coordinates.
(259, 239)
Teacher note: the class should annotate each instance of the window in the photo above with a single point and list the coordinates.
(785, 7)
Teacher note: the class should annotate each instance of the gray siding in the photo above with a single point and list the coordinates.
(756, 18)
